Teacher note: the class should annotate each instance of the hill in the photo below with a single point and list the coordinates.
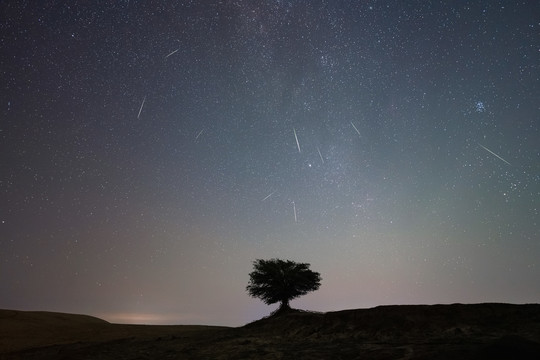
(477, 331)
(42, 334)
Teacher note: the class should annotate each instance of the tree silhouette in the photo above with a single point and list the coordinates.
(278, 280)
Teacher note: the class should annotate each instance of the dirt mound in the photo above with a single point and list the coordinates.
(406, 319)
(465, 331)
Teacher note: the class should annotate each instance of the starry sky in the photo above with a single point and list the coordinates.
(151, 150)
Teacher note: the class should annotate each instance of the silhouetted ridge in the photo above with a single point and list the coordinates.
(403, 321)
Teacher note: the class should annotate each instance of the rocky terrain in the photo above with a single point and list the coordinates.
(477, 331)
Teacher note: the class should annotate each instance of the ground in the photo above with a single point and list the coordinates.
(477, 331)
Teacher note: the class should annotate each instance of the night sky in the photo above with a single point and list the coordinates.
(151, 150)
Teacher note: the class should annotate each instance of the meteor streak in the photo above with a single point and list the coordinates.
(491, 152)
(140, 110)
(267, 196)
(199, 134)
(172, 53)
(296, 137)
(355, 129)
(294, 210)
(319, 151)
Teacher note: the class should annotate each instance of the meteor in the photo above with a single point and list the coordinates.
(296, 137)
(199, 134)
(491, 152)
(320, 155)
(267, 196)
(172, 53)
(140, 110)
(355, 129)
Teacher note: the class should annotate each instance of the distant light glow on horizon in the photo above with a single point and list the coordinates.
(150, 319)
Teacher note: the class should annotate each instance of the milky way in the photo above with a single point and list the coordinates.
(150, 151)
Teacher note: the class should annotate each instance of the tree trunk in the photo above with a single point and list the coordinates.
(284, 306)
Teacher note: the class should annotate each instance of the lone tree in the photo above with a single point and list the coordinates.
(277, 280)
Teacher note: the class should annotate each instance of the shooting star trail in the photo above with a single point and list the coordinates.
(319, 151)
(267, 196)
(296, 137)
(491, 152)
(140, 110)
(294, 210)
(199, 134)
(355, 129)
(172, 53)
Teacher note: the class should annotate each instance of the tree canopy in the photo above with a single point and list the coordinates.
(278, 280)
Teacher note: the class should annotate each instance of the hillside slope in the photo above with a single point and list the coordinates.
(477, 331)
